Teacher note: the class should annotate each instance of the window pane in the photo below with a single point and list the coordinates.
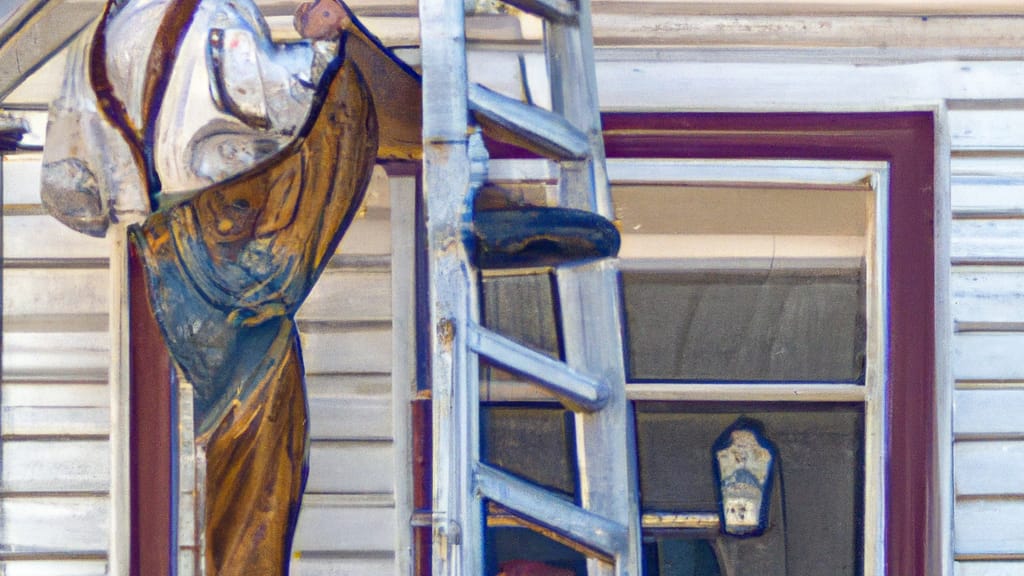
(532, 442)
(784, 326)
(677, 557)
(816, 517)
(519, 551)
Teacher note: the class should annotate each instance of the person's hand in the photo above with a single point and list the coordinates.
(321, 19)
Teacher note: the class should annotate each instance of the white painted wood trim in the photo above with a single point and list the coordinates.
(944, 387)
(686, 80)
(119, 547)
(876, 377)
(503, 390)
(856, 175)
(785, 7)
(873, 393)
(403, 372)
(797, 392)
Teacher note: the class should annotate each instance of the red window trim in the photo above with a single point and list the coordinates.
(151, 431)
(907, 141)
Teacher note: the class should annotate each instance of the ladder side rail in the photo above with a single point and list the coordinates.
(457, 523)
(605, 439)
(569, 49)
(590, 301)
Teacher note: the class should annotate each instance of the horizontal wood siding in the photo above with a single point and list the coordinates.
(45, 408)
(50, 525)
(54, 399)
(347, 522)
(53, 568)
(982, 568)
(987, 295)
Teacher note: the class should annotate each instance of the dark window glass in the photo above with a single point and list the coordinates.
(816, 512)
(784, 326)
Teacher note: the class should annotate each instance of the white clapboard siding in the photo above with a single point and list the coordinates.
(366, 235)
(350, 467)
(54, 409)
(51, 466)
(988, 356)
(21, 176)
(38, 237)
(341, 523)
(687, 80)
(343, 386)
(989, 468)
(362, 349)
(53, 567)
(342, 294)
(351, 416)
(988, 413)
(980, 194)
(347, 521)
(989, 527)
(54, 400)
(53, 524)
(48, 291)
(342, 565)
(55, 355)
(987, 297)
(987, 129)
(995, 164)
(998, 568)
(350, 407)
(995, 241)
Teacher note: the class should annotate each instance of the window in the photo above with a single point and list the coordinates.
(881, 362)
(751, 294)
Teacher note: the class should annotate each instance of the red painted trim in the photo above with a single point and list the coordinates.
(907, 141)
(423, 458)
(422, 447)
(150, 434)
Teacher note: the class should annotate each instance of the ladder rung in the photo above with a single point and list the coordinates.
(579, 391)
(554, 10)
(530, 127)
(552, 511)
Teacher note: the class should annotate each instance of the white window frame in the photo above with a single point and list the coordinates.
(871, 394)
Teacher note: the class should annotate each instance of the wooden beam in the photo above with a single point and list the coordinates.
(817, 7)
(653, 28)
(34, 33)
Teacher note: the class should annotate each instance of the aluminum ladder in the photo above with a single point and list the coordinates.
(590, 381)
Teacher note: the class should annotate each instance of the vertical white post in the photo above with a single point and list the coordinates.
(119, 547)
(589, 299)
(403, 372)
(875, 391)
(943, 343)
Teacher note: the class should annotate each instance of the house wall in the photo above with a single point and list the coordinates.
(980, 248)
(978, 100)
(54, 400)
